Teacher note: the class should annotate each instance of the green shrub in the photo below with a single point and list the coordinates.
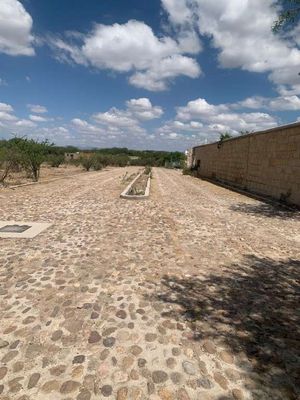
(55, 160)
(86, 162)
(147, 170)
(187, 171)
(29, 154)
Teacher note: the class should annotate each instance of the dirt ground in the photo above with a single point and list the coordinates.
(191, 294)
(47, 173)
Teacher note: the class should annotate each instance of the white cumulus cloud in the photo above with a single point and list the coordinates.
(37, 118)
(241, 31)
(37, 109)
(16, 38)
(132, 48)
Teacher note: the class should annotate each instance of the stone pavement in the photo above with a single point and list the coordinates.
(189, 295)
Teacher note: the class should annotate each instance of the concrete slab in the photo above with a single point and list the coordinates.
(21, 229)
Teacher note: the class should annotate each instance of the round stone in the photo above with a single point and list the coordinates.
(209, 347)
(237, 394)
(134, 375)
(56, 335)
(121, 314)
(122, 393)
(176, 351)
(9, 356)
(150, 337)
(78, 359)
(104, 354)
(14, 345)
(226, 357)
(171, 362)
(84, 395)
(33, 380)
(106, 390)
(165, 394)
(94, 337)
(176, 378)
(202, 367)
(108, 331)
(3, 372)
(159, 376)
(135, 350)
(58, 370)
(50, 386)
(127, 362)
(120, 377)
(69, 387)
(3, 343)
(221, 380)
(232, 374)
(189, 368)
(109, 341)
(141, 362)
(182, 395)
(150, 387)
(18, 366)
(205, 383)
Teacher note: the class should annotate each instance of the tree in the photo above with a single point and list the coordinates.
(225, 136)
(87, 162)
(31, 154)
(245, 132)
(9, 160)
(289, 14)
(55, 160)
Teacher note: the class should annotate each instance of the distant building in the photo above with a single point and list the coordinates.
(72, 156)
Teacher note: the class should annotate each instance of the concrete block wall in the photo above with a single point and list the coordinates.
(267, 163)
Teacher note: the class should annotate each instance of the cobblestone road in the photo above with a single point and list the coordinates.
(189, 295)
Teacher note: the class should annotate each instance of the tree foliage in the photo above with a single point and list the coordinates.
(28, 154)
(225, 136)
(289, 15)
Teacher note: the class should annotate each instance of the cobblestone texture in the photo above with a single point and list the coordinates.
(190, 295)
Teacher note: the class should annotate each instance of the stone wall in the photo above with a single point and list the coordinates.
(266, 163)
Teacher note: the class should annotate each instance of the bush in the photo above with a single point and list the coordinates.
(29, 154)
(97, 163)
(87, 162)
(187, 171)
(8, 162)
(147, 170)
(55, 160)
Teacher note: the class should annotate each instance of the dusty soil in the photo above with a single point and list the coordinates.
(46, 173)
(191, 294)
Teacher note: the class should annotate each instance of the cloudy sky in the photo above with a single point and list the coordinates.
(159, 74)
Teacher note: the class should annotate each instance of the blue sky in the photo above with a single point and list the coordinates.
(159, 74)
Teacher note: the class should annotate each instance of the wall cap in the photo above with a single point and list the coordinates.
(277, 128)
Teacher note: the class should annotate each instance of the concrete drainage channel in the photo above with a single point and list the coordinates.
(139, 188)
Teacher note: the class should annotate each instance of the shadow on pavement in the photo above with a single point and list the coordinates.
(266, 210)
(254, 308)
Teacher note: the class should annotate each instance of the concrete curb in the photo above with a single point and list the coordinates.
(145, 196)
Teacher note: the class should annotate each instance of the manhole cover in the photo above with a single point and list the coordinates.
(14, 228)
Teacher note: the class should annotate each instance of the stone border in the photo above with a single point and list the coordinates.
(125, 195)
(35, 229)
